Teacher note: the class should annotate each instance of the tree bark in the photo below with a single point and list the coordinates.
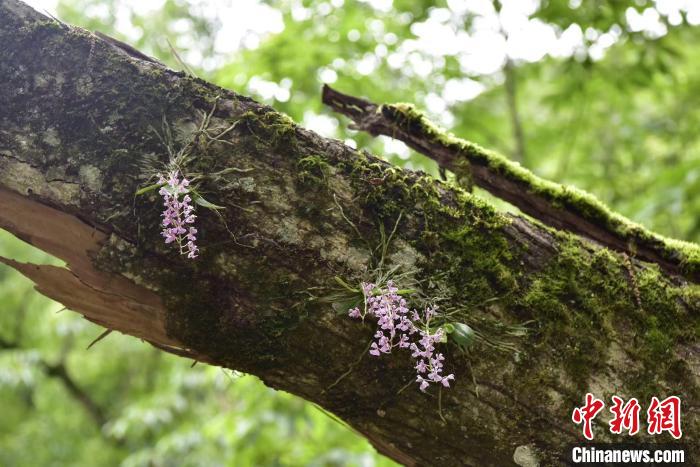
(560, 206)
(84, 121)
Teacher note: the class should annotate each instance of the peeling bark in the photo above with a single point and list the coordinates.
(77, 125)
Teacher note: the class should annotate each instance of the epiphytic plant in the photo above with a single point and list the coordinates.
(178, 215)
(403, 328)
(179, 187)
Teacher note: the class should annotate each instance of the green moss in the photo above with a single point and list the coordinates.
(481, 269)
(584, 301)
(685, 254)
(271, 129)
(385, 189)
(45, 25)
(570, 316)
(460, 233)
(690, 294)
(656, 339)
(463, 174)
(313, 171)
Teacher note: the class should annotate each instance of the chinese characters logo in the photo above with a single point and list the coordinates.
(662, 416)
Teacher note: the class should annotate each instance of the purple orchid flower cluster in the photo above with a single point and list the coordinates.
(178, 215)
(397, 325)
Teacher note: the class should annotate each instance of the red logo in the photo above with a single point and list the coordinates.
(587, 413)
(662, 416)
(626, 417)
(665, 416)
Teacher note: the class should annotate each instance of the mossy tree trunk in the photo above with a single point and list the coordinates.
(84, 121)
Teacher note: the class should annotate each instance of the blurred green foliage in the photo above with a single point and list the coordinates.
(616, 115)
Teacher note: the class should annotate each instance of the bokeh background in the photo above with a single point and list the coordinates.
(602, 94)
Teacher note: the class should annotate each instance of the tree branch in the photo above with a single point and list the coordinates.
(60, 372)
(556, 205)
